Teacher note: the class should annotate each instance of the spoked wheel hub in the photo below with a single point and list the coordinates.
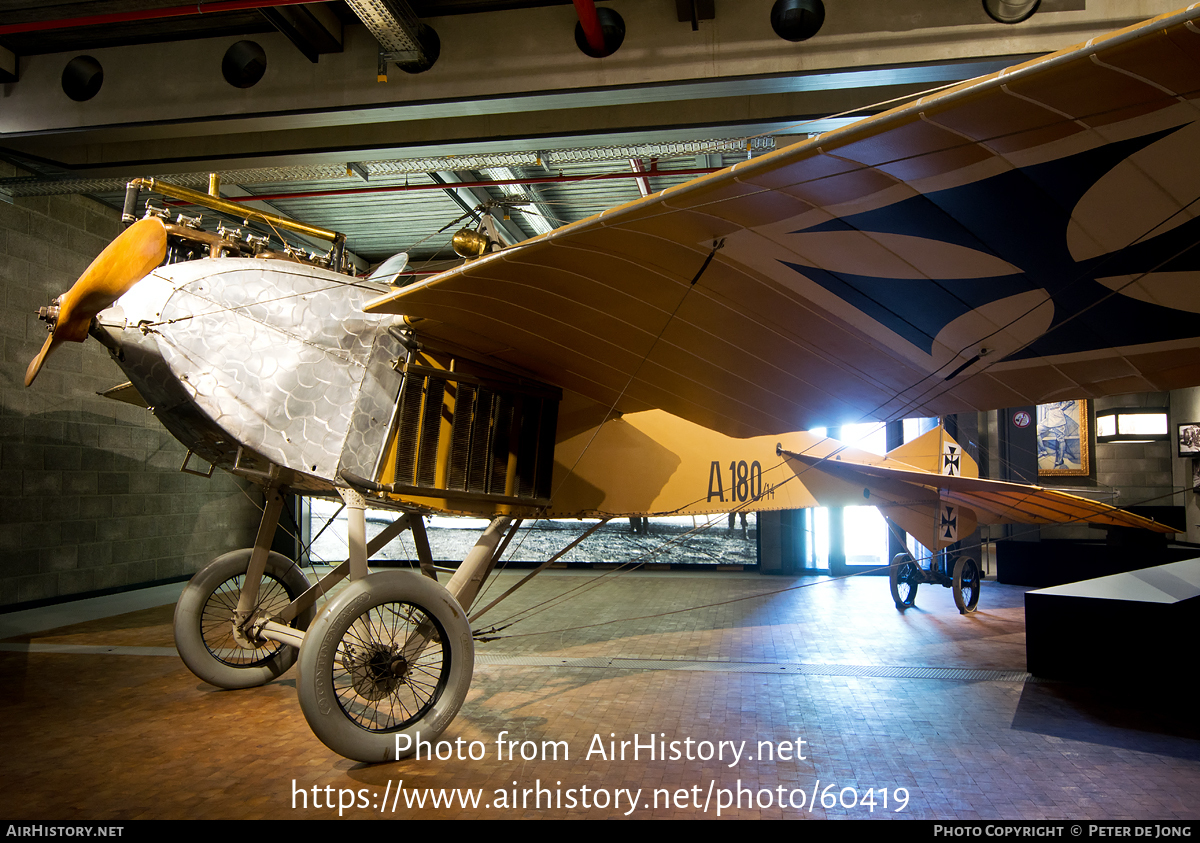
(376, 672)
(388, 662)
(246, 633)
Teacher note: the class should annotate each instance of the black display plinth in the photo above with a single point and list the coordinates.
(1138, 623)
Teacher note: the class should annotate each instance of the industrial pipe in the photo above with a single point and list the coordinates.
(590, 21)
(147, 14)
(405, 188)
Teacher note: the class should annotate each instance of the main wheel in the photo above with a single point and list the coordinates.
(904, 579)
(967, 584)
(204, 634)
(388, 662)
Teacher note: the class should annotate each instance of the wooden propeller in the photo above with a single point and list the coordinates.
(123, 263)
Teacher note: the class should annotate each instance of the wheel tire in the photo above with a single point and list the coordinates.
(204, 613)
(967, 584)
(356, 688)
(903, 580)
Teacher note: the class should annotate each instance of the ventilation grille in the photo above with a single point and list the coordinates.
(470, 436)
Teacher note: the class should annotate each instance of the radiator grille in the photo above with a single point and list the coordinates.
(474, 436)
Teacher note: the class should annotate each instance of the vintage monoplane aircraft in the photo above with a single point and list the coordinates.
(1020, 238)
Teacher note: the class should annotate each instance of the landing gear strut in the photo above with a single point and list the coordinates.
(389, 656)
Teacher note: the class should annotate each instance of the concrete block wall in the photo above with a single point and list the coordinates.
(1141, 471)
(90, 493)
(1185, 408)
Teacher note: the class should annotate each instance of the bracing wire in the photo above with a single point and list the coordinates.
(914, 386)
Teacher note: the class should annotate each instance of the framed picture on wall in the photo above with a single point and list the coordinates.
(1062, 439)
(1189, 439)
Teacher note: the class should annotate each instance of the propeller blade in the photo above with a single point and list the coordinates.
(35, 365)
(123, 263)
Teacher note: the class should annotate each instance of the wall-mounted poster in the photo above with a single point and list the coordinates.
(1062, 439)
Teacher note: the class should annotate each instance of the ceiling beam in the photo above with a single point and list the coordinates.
(8, 65)
(313, 28)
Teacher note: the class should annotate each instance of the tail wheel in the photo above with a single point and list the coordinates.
(968, 581)
(904, 578)
(204, 633)
(390, 657)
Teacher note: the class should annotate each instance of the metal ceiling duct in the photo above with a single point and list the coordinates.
(44, 186)
(412, 45)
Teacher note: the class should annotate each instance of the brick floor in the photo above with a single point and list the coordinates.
(108, 735)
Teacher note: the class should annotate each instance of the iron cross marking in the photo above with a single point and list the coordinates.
(1021, 216)
(949, 526)
(951, 459)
